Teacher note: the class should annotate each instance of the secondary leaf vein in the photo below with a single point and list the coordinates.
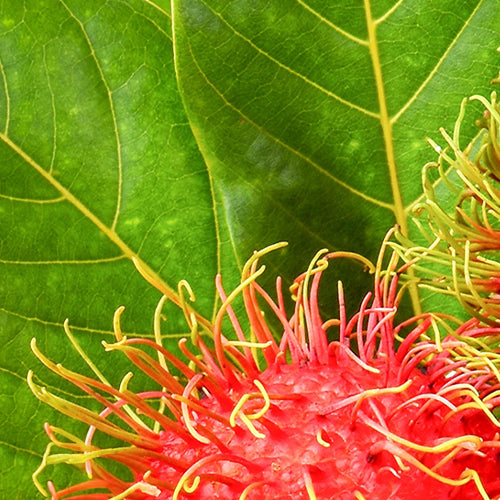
(34, 201)
(54, 113)
(61, 262)
(164, 12)
(112, 111)
(7, 97)
(338, 29)
(391, 11)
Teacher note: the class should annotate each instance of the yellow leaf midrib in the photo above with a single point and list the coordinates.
(386, 125)
(385, 121)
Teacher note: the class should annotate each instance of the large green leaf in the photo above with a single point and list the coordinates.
(98, 164)
(310, 118)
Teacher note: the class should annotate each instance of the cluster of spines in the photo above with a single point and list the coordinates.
(463, 359)
(459, 218)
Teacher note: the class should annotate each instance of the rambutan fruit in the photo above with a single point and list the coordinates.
(349, 408)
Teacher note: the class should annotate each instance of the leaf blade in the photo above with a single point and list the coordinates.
(241, 67)
(85, 185)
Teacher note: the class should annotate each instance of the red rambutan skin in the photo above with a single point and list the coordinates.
(344, 463)
(305, 418)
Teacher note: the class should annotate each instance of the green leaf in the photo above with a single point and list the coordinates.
(304, 122)
(312, 116)
(98, 164)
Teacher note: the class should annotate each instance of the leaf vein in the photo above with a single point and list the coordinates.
(391, 11)
(233, 243)
(7, 97)
(112, 111)
(338, 29)
(28, 200)
(153, 22)
(164, 12)
(54, 113)
(61, 262)
(18, 449)
(384, 120)
(53, 323)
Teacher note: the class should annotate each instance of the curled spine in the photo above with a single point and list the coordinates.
(457, 251)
